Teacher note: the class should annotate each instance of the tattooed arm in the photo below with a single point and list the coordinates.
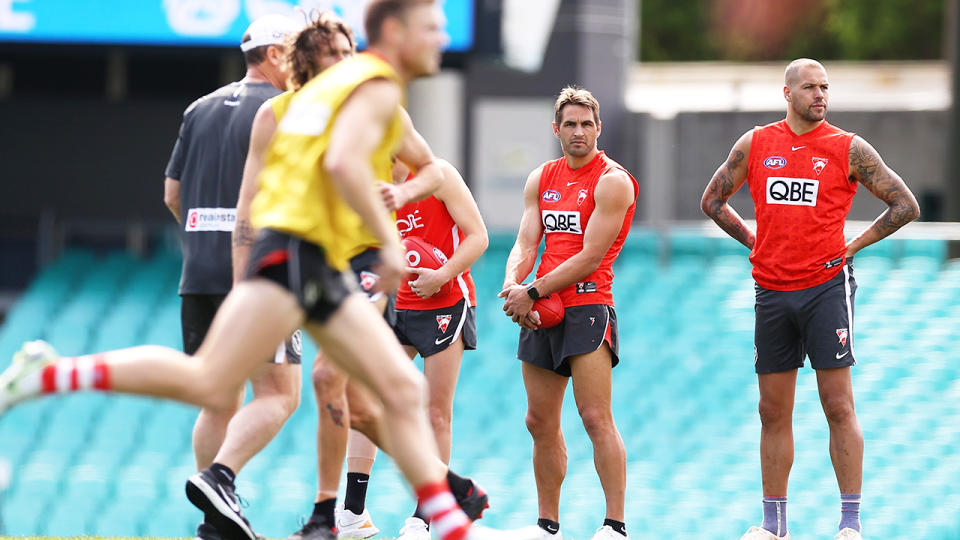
(868, 168)
(725, 182)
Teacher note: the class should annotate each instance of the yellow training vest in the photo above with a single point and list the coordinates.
(296, 194)
(280, 104)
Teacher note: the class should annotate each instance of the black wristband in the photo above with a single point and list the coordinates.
(533, 293)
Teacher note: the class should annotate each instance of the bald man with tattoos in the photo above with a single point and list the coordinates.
(802, 175)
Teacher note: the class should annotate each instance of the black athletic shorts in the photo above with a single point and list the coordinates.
(430, 331)
(362, 266)
(584, 329)
(301, 268)
(815, 322)
(196, 315)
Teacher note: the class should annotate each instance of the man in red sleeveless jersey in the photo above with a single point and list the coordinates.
(584, 203)
(802, 174)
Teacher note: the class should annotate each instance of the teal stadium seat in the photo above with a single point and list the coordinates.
(685, 400)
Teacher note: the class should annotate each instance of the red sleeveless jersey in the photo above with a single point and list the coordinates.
(430, 220)
(802, 194)
(566, 204)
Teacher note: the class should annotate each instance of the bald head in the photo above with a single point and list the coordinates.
(791, 75)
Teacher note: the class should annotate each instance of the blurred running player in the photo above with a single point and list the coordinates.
(316, 204)
(803, 173)
(324, 42)
(583, 202)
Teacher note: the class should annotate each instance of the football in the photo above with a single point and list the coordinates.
(550, 309)
(423, 254)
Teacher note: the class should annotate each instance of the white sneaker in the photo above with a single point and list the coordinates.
(350, 525)
(414, 529)
(32, 357)
(607, 533)
(534, 532)
(759, 533)
(848, 534)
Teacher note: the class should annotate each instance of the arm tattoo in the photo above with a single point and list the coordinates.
(243, 234)
(869, 169)
(720, 189)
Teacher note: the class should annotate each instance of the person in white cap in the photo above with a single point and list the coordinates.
(202, 184)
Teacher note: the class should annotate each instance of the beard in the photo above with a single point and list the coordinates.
(811, 115)
(577, 151)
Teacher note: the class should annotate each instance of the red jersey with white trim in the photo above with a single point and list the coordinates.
(430, 220)
(802, 194)
(566, 205)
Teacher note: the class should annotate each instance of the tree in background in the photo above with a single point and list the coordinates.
(765, 30)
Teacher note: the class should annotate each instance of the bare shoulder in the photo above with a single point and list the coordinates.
(381, 96)
(616, 187)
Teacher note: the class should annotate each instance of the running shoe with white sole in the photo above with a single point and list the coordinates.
(847, 533)
(608, 533)
(32, 357)
(350, 525)
(536, 532)
(759, 533)
(414, 529)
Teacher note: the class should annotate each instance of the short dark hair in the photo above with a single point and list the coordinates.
(574, 95)
(304, 48)
(379, 11)
(256, 55)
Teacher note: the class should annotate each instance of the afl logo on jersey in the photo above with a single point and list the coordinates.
(774, 162)
(551, 195)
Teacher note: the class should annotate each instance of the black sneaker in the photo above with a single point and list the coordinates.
(314, 530)
(473, 502)
(220, 506)
(206, 531)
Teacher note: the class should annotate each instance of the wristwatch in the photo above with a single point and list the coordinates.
(533, 293)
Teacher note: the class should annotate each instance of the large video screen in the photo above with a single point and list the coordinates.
(205, 23)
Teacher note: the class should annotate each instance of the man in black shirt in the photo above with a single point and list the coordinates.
(201, 189)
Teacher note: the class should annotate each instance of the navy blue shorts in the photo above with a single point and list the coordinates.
(584, 329)
(196, 316)
(815, 322)
(430, 331)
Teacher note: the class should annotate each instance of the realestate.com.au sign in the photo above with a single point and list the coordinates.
(214, 23)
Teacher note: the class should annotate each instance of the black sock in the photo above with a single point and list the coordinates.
(420, 514)
(459, 485)
(618, 526)
(323, 512)
(549, 525)
(356, 495)
(222, 473)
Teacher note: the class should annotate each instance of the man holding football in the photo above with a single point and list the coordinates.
(584, 203)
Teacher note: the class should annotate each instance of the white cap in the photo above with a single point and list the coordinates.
(270, 29)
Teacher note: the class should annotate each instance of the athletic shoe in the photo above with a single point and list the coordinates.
(206, 531)
(219, 504)
(474, 502)
(314, 530)
(32, 357)
(848, 534)
(606, 533)
(536, 532)
(414, 529)
(350, 525)
(759, 533)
